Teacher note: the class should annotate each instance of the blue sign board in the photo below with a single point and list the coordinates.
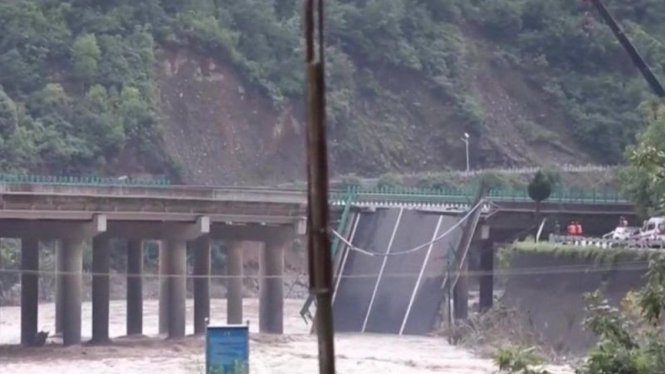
(227, 350)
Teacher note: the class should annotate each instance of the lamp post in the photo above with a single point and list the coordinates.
(465, 139)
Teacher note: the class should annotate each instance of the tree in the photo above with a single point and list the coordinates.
(539, 190)
(540, 187)
(86, 55)
(8, 114)
(643, 180)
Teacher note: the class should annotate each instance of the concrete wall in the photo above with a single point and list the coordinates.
(551, 298)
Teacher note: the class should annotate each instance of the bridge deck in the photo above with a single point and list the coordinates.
(393, 294)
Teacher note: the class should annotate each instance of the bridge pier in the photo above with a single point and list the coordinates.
(271, 289)
(201, 283)
(487, 278)
(234, 269)
(72, 267)
(59, 288)
(134, 287)
(172, 295)
(163, 288)
(101, 290)
(173, 272)
(29, 290)
(461, 293)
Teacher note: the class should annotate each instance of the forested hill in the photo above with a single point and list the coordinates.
(211, 90)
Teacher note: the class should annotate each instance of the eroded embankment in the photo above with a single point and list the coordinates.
(547, 286)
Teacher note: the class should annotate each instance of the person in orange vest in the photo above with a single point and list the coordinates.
(571, 228)
(578, 228)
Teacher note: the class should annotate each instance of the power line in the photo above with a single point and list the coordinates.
(411, 250)
(536, 270)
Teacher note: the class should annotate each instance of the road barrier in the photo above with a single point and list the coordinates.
(606, 243)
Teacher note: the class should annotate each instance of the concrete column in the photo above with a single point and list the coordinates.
(101, 289)
(59, 288)
(72, 261)
(461, 294)
(271, 299)
(234, 269)
(487, 278)
(134, 287)
(172, 298)
(201, 284)
(163, 288)
(29, 290)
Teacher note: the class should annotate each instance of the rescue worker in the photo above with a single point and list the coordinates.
(571, 228)
(578, 229)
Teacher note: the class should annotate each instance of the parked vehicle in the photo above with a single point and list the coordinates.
(653, 229)
(623, 233)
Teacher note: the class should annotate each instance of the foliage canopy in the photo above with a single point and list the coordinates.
(61, 60)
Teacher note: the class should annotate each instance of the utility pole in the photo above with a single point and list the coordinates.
(638, 60)
(318, 240)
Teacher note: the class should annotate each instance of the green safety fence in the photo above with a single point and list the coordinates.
(348, 198)
(93, 180)
(454, 195)
(396, 194)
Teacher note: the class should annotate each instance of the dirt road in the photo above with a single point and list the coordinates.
(294, 352)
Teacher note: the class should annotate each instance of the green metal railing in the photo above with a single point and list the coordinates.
(396, 194)
(350, 197)
(93, 180)
(454, 195)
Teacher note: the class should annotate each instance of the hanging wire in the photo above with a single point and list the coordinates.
(411, 250)
(534, 270)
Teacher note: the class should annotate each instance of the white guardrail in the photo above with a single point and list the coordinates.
(606, 243)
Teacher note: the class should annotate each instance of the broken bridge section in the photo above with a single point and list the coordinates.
(398, 294)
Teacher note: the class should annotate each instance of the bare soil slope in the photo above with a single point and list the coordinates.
(222, 131)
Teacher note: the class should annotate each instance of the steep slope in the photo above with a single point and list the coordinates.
(212, 90)
(222, 131)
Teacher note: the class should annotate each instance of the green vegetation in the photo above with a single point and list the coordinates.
(78, 82)
(518, 361)
(629, 341)
(539, 189)
(566, 49)
(644, 179)
(581, 253)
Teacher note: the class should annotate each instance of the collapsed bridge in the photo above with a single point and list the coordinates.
(400, 293)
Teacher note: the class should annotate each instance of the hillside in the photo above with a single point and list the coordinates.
(210, 91)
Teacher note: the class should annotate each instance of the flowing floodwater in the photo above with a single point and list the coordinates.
(292, 353)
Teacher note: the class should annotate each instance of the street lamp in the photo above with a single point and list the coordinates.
(465, 139)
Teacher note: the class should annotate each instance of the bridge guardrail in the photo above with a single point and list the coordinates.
(94, 180)
(606, 243)
(397, 194)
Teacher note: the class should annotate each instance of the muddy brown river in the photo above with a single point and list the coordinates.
(292, 353)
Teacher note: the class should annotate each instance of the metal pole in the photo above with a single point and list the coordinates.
(467, 155)
(638, 60)
(318, 240)
(465, 139)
